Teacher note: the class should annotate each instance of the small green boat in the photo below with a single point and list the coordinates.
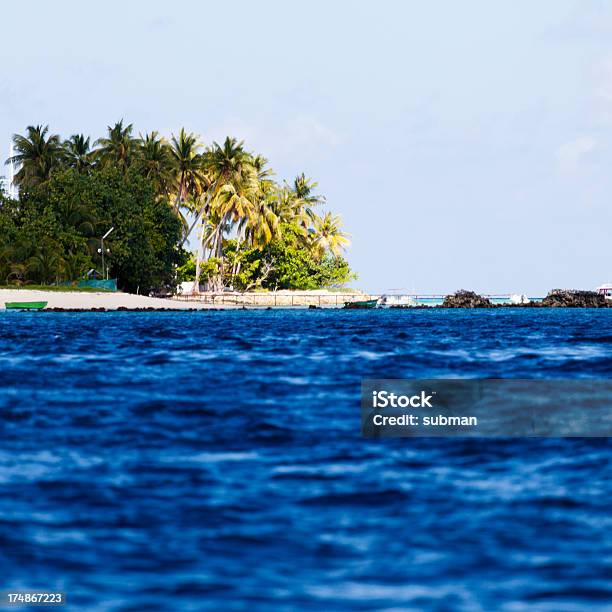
(361, 304)
(25, 305)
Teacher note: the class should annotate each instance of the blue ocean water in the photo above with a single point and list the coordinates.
(213, 460)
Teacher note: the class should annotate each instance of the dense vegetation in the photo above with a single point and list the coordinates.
(250, 231)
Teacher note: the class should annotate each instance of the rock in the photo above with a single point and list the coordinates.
(568, 298)
(466, 299)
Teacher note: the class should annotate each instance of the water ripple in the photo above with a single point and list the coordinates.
(212, 460)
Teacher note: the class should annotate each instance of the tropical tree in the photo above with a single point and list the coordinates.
(75, 266)
(304, 194)
(78, 153)
(37, 155)
(17, 274)
(257, 230)
(187, 161)
(233, 186)
(212, 226)
(327, 235)
(156, 161)
(252, 230)
(233, 179)
(262, 225)
(264, 173)
(290, 211)
(78, 223)
(47, 262)
(6, 261)
(119, 149)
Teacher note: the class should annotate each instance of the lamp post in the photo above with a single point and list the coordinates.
(104, 272)
(12, 191)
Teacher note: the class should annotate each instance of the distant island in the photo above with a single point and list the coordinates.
(152, 196)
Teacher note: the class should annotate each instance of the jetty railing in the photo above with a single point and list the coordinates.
(297, 299)
(273, 298)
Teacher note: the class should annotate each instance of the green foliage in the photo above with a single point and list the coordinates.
(56, 229)
(9, 210)
(52, 214)
(72, 191)
(143, 251)
(142, 247)
(37, 155)
(208, 269)
(186, 272)
(287, 263)
(30, 244)
(294, 266)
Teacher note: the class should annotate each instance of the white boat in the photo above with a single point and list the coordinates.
(391, 301)
(605, 290)
(519, 298)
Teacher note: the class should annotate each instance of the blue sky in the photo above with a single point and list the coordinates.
(466, 145)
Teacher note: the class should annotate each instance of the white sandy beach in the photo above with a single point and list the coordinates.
(74, 300)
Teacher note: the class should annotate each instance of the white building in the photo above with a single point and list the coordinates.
(606, 290)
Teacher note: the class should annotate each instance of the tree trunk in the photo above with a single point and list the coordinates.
(179, 195)
(188, 232)
(237, 262)
(199, 216)
(216, 250)
(200, 256)
(196, 280)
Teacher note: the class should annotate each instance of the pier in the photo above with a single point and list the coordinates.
(320, 299)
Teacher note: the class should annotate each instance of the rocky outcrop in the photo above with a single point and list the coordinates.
(466, 299)
(566, 298)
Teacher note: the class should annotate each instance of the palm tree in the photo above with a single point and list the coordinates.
(327, 236)
(75, 266)
(119, 148)
(6, 261)
(156, 160)
(262, 226)
(72, 213)
(17, 274)
(232, 189)
(36, 157)
(47, 262)
(303, 190)
(233, 177)
(264, 174)
(291, 212)
(189, 176)
(213, 226)
(78, 153)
